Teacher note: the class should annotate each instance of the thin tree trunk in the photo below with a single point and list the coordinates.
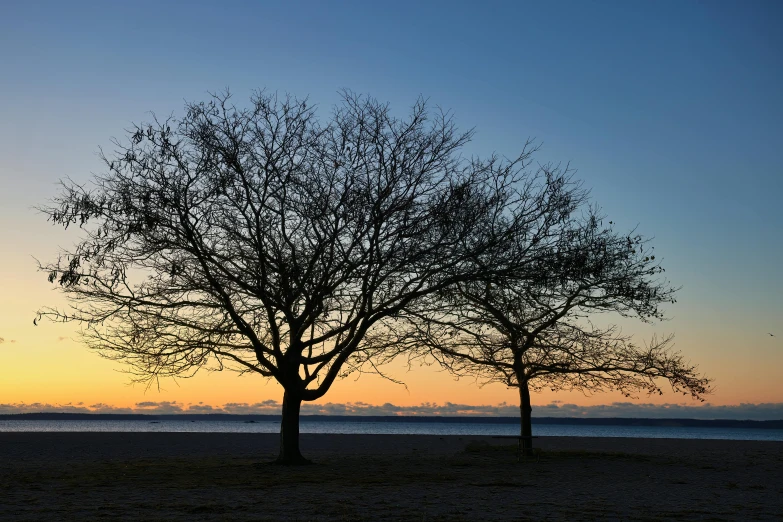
(525, 410)
(289, 431)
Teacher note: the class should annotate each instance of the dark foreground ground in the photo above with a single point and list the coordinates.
(198, 476)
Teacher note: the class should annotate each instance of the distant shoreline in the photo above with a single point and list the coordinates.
(578, 421)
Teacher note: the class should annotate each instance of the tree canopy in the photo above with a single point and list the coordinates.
(535, 332)
(265, 241)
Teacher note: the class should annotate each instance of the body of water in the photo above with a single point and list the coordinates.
(390, 428)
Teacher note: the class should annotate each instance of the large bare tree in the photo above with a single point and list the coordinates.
(261, 240)
(531, 329)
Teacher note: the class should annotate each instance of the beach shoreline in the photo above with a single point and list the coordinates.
(213, 476)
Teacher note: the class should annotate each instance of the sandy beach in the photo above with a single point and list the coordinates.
(205, 476)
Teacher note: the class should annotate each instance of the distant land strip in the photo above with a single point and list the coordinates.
(578, 421)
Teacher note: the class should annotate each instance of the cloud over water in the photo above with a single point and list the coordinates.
(763, 411)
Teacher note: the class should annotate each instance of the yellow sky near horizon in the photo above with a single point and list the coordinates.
(47, 364)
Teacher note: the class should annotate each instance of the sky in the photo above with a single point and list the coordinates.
(670, 112)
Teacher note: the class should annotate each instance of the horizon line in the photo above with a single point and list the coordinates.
(707, 411)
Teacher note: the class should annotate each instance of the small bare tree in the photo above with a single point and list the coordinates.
(262, 241)
(530, 329)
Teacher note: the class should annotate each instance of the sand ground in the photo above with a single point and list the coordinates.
(201, 476)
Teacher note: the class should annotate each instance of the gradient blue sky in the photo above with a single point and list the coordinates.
(670, 111)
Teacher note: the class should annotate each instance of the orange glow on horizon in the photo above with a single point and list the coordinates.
(47, 364)
(69, 373)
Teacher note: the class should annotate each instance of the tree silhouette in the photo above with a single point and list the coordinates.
(260, 240)
(531, 328)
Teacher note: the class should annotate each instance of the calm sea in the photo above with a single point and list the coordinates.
(392, 428)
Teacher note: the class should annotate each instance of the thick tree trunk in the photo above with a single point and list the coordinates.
(289, 431)
(525, 410)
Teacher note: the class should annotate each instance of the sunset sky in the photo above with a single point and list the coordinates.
(671, 112)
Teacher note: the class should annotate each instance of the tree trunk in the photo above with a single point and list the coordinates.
(289, 431)
(525, 410)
